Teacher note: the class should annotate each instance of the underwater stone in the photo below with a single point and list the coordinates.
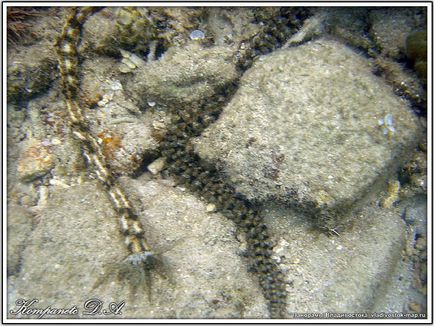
(125, 133)
(35, 160)
(416, 49)
(157, 166)
(211, 208)
(391, 26)
(308, 113)
(197, 35)
(416, 215)
(349, 272)
(348, 24)
(129, 62)
(183, 76)
(29, 73)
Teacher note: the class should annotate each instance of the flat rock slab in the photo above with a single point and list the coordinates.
(311, 127)
(76, 251)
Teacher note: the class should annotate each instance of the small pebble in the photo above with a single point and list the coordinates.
(210, 208)
(116, 85)
(157, 166)
(137, 61)
(158, 125)
(55, 182)
(414, 306)
(105, 99)
(124, 68)
(421, 243)
(197, 35)
(56, 141)
(125, 54)
(35, 160)
(129, 63)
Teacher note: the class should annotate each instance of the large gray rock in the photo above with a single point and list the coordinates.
(311, 127)
(349, 272)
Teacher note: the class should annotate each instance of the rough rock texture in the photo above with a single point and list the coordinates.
(399, 20)
(35, 161)
(391, 29)
(348, 24)
(345, 273)
(77, 244)
(126, 132)
(381, 34)
(196, 73)
(230, 25)
(309, 127)
(19, 227)
(416, 215)
(27, 79)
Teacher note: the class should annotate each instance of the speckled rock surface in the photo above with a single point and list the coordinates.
(304, 129)
(399, 20)
(20, 222)
(339, 273)
(126, 133)
(77, 243)
(35, 161)
(196, 74)
(30, 78)
(348, 24)
(230, 25)
(27, 79)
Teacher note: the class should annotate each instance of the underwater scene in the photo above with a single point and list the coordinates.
(223, 162)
